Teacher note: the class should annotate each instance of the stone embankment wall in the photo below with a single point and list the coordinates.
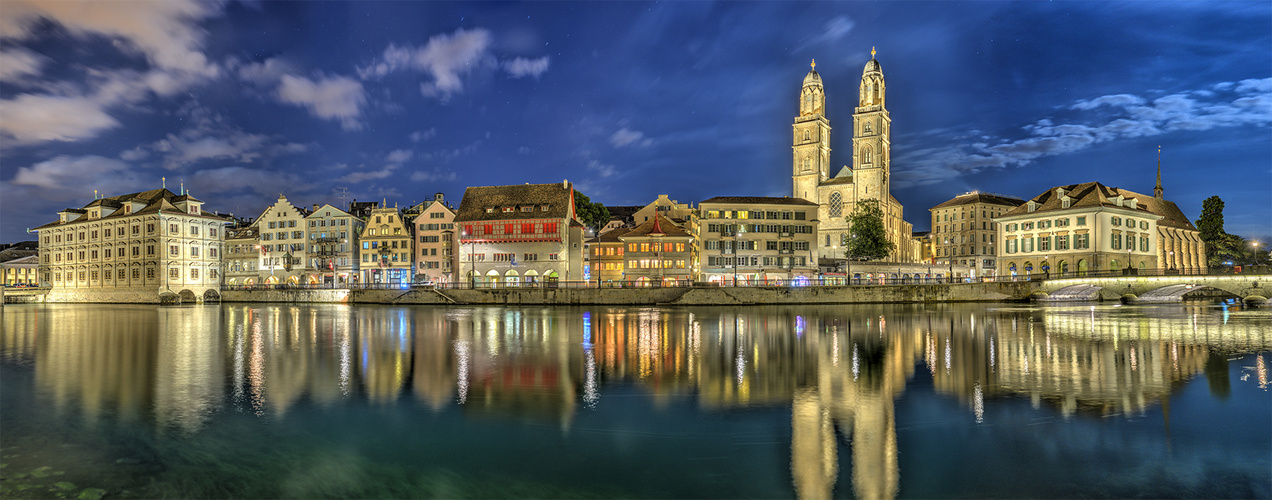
(972, 292)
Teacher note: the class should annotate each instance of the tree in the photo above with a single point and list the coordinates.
(867, 238)
(1210, 223)
(592, 215)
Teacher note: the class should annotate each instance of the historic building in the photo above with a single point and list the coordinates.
(604, 257)
(22, 271)
(964, 231)
(1092, 227)
(660, 252)
(141, 247)
(757, 240)
(837, 192)
(385, 248)
(283, 252)
(519, 235)
(666, 207)
(333, 246)
(242, 254)
(436, 247)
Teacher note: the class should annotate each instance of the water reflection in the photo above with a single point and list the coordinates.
(839, 369)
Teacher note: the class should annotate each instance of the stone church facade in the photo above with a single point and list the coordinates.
(869, 177)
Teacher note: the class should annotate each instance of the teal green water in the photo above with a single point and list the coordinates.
(872, 401)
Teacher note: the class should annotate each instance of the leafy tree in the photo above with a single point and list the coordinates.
(1210, 223)
(868, 240)
(592, 215)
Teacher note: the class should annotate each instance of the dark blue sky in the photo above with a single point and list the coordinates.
(398, 100)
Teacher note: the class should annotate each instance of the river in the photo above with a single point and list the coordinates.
(867, 401)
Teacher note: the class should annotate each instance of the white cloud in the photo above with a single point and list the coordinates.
(357, 177)
(626, 137)
(1108, 118)
(67, 177)
(239, 179)
(267, 72)
(399, 156)
(522, 67)
(192, 147)
(447, 58)
(335, 98)
(834, 30)
(423, 135)
(38, 118)
(433, 176)
(18, 63)
(602, 169)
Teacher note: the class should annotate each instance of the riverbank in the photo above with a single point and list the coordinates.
(874, 294)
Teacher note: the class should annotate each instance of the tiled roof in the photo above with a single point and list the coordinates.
(484, 203)
(610, 236)
(155, 200)
(667, 227)
(1094, 194)
(978, 197)
(759, 200)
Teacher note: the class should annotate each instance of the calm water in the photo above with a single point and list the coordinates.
(254, 401)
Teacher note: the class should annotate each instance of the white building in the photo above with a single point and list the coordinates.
(519, 235)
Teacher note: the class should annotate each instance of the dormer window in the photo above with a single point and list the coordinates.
(508, 209)
(527, 208)
(1059, 192)
(544, 208)
(1032, 206)
(1066, 201)
(490, 210)
(194, 209)
(92, 214)
(1132, 203)
(128, 208)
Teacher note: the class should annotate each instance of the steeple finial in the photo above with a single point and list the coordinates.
(165, 182)
(1157, 191)
(814, 65)
(872, 52)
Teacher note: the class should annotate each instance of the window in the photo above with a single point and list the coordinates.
(1115, 242)
(150, 273)
(1115, 221)
(866, 156)
(174, 273)
(1081, 221)
(1130, 242)
(1143, 243)
(194, 274)
(1062, 242)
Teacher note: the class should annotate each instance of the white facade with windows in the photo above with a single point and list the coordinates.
(332, 236)
(153, 245)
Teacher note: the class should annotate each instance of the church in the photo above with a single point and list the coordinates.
(869, 176)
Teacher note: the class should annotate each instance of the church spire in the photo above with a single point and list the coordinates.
(1157, 191)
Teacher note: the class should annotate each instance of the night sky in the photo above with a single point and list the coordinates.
(242, 101)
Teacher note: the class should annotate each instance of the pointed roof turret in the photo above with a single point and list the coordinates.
(1157, 191)
(813, 78)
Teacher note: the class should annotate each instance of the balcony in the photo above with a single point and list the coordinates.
(327, 240)
(786, 251)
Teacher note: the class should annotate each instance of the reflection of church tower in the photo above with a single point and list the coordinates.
(811, 164)
(871, 136)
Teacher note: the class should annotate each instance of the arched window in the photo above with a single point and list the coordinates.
(836, 204)
(807, 163)
(806, 135)
(866, 157)
(866, 128)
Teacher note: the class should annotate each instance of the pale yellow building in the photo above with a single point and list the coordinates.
(436, 247)
(756, 240)
(149, 246)
(837, 192)
(964, 231)
(385, 248)
(1089, 227)
(21, 271)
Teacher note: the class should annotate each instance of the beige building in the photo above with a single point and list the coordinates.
(837, 192)
(520, 235)
(242, 254)
(964, 231)
(666, 207)
(283, 253)
(605, 257)
(333, 246)
(21, 271)
(385, 248)
(1081, 228)
(436, 247)
(757, 240)
(660, 252)
(141, 247)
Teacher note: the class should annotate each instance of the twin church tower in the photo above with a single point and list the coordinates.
(869, 177)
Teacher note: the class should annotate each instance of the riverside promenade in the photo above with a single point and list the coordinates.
(696, 296)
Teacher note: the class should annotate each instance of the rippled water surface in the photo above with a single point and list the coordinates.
(263, 401)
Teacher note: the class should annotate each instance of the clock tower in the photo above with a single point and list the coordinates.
(811, 160)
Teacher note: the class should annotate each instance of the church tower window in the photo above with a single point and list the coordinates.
(866, 157)
(836, 205)
(807, 163)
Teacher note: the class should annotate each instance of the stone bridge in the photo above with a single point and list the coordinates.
(1252, 289)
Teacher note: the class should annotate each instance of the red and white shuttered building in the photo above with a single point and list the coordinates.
(521, 235)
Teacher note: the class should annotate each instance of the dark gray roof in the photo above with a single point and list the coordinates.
(768, 200)
(484, 203)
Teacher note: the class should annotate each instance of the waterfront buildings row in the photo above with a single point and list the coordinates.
(160, 241)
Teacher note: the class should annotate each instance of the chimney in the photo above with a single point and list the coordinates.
(315, 207)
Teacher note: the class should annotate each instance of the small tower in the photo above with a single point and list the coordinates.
(872, 135)
(810, 163)
(1157, 191)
